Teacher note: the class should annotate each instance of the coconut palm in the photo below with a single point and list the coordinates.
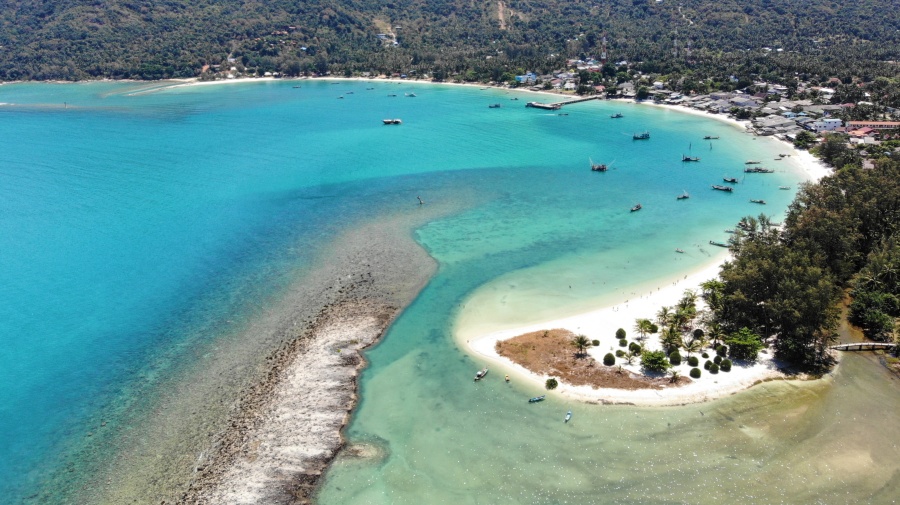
(663, 316)
(581, 343)
(643, 326)
(670, 338)
(693, 345)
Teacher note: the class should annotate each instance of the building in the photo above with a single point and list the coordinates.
(827, 125)
(875, 125)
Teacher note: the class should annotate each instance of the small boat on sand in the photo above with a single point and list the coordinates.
(758, 201)
(537, 399)
(636, 208)
(568, 416)
(480, 375)
(732, 180)
(683, 196)
(723, 188)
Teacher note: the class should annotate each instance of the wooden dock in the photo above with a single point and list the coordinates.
(559, 105)
(864, 346)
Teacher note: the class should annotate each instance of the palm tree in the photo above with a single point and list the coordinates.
(670, 338)
(581, 343)
(693, 345)
(643, 326)
(664, 315)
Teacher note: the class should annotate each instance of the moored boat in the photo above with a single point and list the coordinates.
(537, 399)
(641, 136)
(679, 250)
(636, 208)
(758, 201)
(732, 180)
(690, 158)
(598, 167)
(568, 416)
(723, 188)
(719, 244)
(711, 137)
(759, 170)
(480, 375)
(617, 115)
(392, 121)
(683, 196)
(494, 106)
(752, 162)
(784, 187)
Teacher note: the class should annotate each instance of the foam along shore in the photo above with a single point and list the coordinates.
(602, 324)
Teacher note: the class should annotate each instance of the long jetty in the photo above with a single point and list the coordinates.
(559, 105)
(863, 346)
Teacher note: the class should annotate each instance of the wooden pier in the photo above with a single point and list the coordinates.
(559, 105)
(864, 346)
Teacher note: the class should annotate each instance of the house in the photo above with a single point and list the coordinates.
(875, 125)
(528, 78)
(569, 86)
(827, 125)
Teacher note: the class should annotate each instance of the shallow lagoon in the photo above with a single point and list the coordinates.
(142, 224)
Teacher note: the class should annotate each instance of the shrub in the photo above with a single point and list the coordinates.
(655, 361)
(717, 360)
(695, 373)
(634, 347)
(620, 353)
(620, 333)
(675, 358)
(609, 359)
(551, 383)
(722, 350)
(708, 364)
(714, 368)
(623, 342)
(595, 342)
(705, 355)
(725, 365)
(744, 344)
(693, 361)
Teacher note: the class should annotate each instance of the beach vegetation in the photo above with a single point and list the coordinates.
(725, 365)
(722, 350)
(595, 343)
(692, 346)
(635, 347)
(609, 359)
(623, 342)
(717, 359)
(620, 334)
(707, 364)
(580, 343)
(551, 383)
(664, 316)
(643, 327)
(675, 358)
(654, 361)
(674, 375)
(744, 345)
(695, 373)
(714, 368)
(693, 361)
(671, 338)
(620, 353)
(705, 355)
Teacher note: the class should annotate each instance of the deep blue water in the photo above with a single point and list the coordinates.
(136, 220)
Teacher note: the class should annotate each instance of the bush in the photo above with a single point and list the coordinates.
(705, 355)
(744, 344)
(725, 365)
(620, 333)
(675, 358)
(595, 342)
(693, 361)
(717, 360)
(708, 364)
(722, 350)
(695, 373)
(620, 353)
(655, 361)
(609, 359)
(714, 368)
(623, 342)
(551, 383)
(634, 347)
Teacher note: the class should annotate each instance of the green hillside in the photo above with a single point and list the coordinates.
(153, 39)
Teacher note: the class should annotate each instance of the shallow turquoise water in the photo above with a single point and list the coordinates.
(138, 221)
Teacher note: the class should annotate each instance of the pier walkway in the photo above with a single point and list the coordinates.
(559, 105)
(864, 346)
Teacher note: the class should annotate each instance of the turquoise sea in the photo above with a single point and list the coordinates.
(141, 225)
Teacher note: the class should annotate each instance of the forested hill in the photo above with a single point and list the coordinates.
(153, 39)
